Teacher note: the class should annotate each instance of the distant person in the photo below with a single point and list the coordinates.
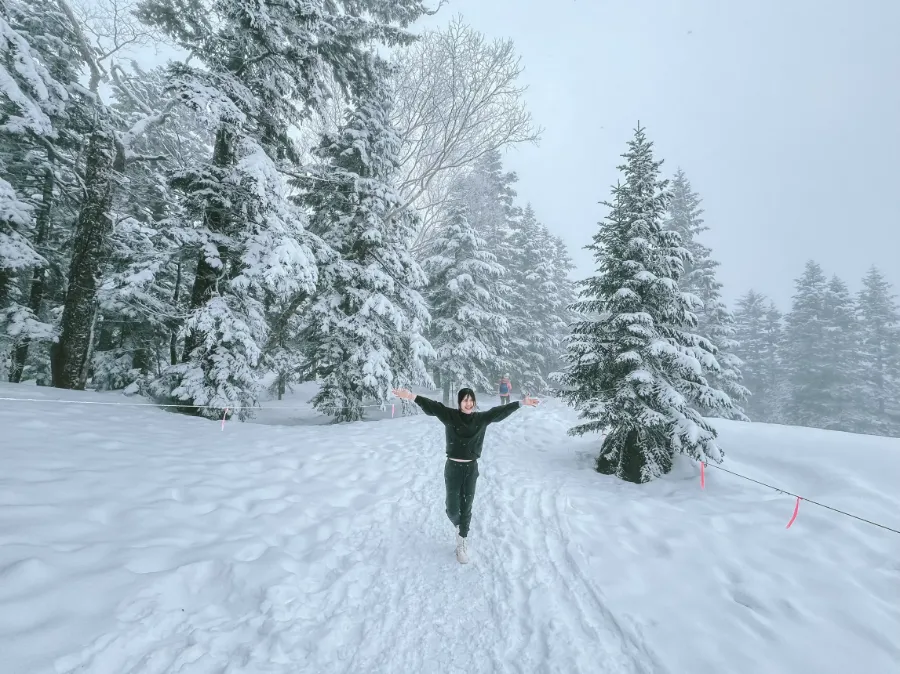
(505, 389)
(464, 429)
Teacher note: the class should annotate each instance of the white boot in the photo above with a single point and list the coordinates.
(462, 555)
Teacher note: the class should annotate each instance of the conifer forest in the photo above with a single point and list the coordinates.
(317, 190)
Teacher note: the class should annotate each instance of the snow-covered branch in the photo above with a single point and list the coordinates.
(144, 124)
(84, 47)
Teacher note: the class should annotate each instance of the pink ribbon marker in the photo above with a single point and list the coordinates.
(794, 516)
(224, 414)
(702, 475)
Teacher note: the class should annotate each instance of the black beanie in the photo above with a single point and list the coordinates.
(463, 392)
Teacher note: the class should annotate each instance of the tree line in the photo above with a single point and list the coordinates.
(313, 192)
(832, 362)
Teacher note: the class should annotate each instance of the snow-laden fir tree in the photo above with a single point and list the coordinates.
(843, 357)
(367, 315)
(561, 316)
(489, 195)
(467, 317)
(144, 290)
(879, 366)
(807, 356)
(538, 313)
(715, 320)
(759, 335)
(261, 67)
(635, 366)
(33, 102)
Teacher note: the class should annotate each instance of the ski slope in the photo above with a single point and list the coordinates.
(137, 541)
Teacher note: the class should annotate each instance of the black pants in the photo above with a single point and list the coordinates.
(460, 478)
(504, 398)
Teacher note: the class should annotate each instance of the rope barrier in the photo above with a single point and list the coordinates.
(796, 496)
(384, 406)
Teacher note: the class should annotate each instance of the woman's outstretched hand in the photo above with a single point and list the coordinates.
(531, 402)
(404, 394)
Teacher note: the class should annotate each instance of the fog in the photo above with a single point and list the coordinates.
(783, 115)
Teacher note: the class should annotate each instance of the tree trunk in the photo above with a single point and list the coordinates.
(69, 357)
(5, 281)
(173, 337)
(446, 382)
(39, 275)
(86, 363)
(206, 276)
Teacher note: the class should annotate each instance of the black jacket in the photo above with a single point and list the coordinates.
(465, 432)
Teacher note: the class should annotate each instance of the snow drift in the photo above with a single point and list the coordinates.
(137, 541)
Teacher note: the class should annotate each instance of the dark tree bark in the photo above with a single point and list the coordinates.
(216, 219)
(173, 337)
(5, 281)
(69, 356)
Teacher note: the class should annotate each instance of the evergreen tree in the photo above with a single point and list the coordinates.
(750, 320)
(144, 294)
(758, 333)
(467, 317)
(34, 102)
(367, 315)
(635, 367)
(264, 66)
(489, 195)
(777, 382)
(561, 316)
(533, 317)
(715, 320)
(842, 357)
(879, 367)
(807, 356)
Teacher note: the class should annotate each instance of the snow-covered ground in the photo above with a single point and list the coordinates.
(137, 541)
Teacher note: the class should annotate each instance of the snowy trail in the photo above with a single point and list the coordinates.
(549, 609)
(135, 541)
(314, 549)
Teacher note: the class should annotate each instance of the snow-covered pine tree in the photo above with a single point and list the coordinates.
(758, 333)
(263, 66)
(634, 366)
(806, 351)
(489, 194)
(752, 350)
(562, 317)
(367, 315)
(778, 383)
(143, 294)
(715, 320)
(843, 357)
(879, 367)
(467, 317)
(537, 273)
(34, 105)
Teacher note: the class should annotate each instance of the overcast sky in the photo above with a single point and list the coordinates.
(784, 114)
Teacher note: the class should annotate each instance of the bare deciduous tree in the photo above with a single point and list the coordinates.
(457, 97)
